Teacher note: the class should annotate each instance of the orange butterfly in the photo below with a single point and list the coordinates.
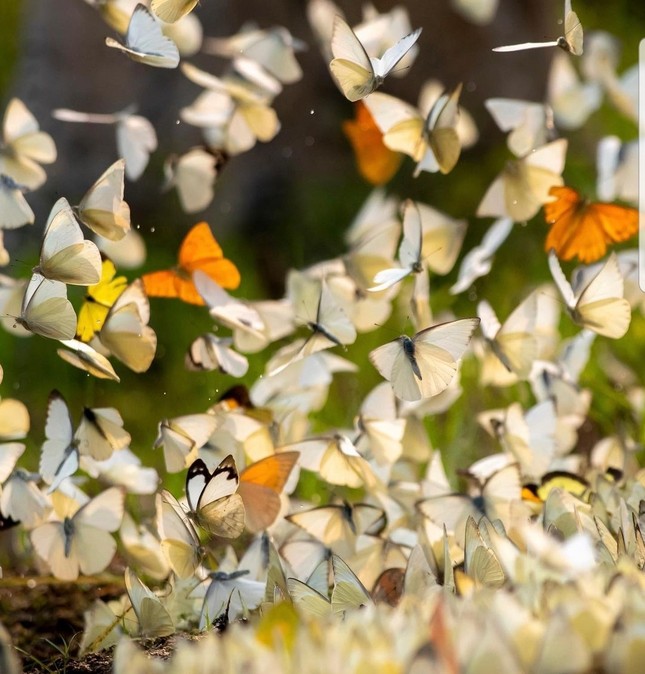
(260, 486)
(199, 251)
(583, 229)
(376, 163)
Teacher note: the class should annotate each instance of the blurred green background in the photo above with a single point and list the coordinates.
(288, 203)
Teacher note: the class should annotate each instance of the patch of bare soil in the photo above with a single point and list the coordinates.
(45, 621)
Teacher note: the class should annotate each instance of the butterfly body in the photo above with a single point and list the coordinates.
(409, 350)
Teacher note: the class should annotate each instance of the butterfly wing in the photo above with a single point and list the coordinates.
(351, 67)
(103, 209)
(260, 486)
(172, 10)
(393, 364)
(601, 306)
(179, 541)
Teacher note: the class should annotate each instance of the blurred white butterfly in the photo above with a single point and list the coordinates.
(123, 469)
(24, 147)
(479, 12)
(135, 136)
(617, 169)
(143, 548)
(272, 48)
(66, 255)
(172, 10)
(208, 353)
(479, 260)
(14, 209)
(84, 357)
(357, 74)
(126, 334)
(128, 253)
(572, 100)
(571, 41)
(103, 209)
(187, 34)
(80, 541)
(597, 304)
(59, 456)
(379, 427)
(145, 41)
(431, 140)
(514, 343)
(233, 112)
(46, 311)
(100, 433)
(530, 124)
(21, 499)
(182, 437)
(213, 500)
(522, 187)
(424, 365)
(193, 175)
(152, 616)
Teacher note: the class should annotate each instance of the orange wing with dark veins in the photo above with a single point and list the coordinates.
(583, 229)
(198, 251)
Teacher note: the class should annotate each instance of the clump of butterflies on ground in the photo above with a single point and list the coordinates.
(538, 566)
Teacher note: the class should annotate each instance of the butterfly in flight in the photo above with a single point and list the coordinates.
(198, 251)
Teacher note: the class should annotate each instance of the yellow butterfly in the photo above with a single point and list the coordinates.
(99, 300)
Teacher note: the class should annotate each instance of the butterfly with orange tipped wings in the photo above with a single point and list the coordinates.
(583, 229)
(198, 251)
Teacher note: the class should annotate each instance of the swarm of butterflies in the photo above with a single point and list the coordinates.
(536, 563)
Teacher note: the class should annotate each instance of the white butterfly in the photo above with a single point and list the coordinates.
(410, 251)
(182, 437)
(59, 456)
(571, 41)
(24, 147)
(100, 433)
(128, 253)
(348, 592)
(126, 334)
(273, 49)
(65, 254)
(143, 548)
(572, 100)
(213, 499)
(424, 365)
(599, 304)
(514, 343)
(21, 499)
(479, 260)
(338, 526)
(330, 327)
(123, 469)
(84, 357)
(80, 542)
(379, 427)
(357, 74)
(46, 311)
(617, 169)
(479, 12)
(179, 540)
(14, 209)
(209, 352)
(152, 616)
(233, 112)
(231, 594)
(430, 139)
(530, 124)
(103, 209)
(145, 41)
(523, 186)
(193, 175)
(135, 136)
